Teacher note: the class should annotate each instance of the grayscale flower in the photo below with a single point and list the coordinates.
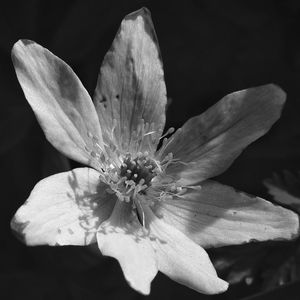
(151, 209)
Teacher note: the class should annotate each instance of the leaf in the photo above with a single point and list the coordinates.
(290, 292)
(285, 189)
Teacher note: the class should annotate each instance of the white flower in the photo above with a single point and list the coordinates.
(153, 210)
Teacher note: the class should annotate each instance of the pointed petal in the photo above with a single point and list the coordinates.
(62, 105)
(64, 209)
(181, 259)
(209, 143)
(217, 215)
(131, 91)
(122, 237)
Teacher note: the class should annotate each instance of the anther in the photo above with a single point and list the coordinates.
(173, 188)
(139, 172)
(169, 131)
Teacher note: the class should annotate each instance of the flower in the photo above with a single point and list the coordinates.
(152, 210)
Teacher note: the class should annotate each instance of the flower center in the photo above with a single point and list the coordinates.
(133, 176)
(140, 169)
(130, 175)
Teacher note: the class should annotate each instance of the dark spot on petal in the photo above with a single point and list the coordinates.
(68, 87)
(103, 99)
(70, 231)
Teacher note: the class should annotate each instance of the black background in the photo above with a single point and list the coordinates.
(209, 48)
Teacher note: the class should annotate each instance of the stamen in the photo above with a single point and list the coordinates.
(130, 175)
(148, 133)
(167, 141)
(138, 171)
(143, 137)
(169, 131)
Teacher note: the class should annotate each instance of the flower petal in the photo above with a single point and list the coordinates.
(181, 259)
(62, 105)
(130, 96)
(207, 144)
(64, 209)
(217, 215)
(122, 237)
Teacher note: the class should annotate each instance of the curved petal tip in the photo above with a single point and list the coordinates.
(17, 228)
(219, 286)
(22, 43)
(144, 12)
(278, 93)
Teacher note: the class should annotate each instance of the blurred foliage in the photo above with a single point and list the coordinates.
(266, 265)
(285, 189)
(289, 291)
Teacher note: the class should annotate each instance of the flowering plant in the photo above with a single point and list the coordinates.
(151, 209)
